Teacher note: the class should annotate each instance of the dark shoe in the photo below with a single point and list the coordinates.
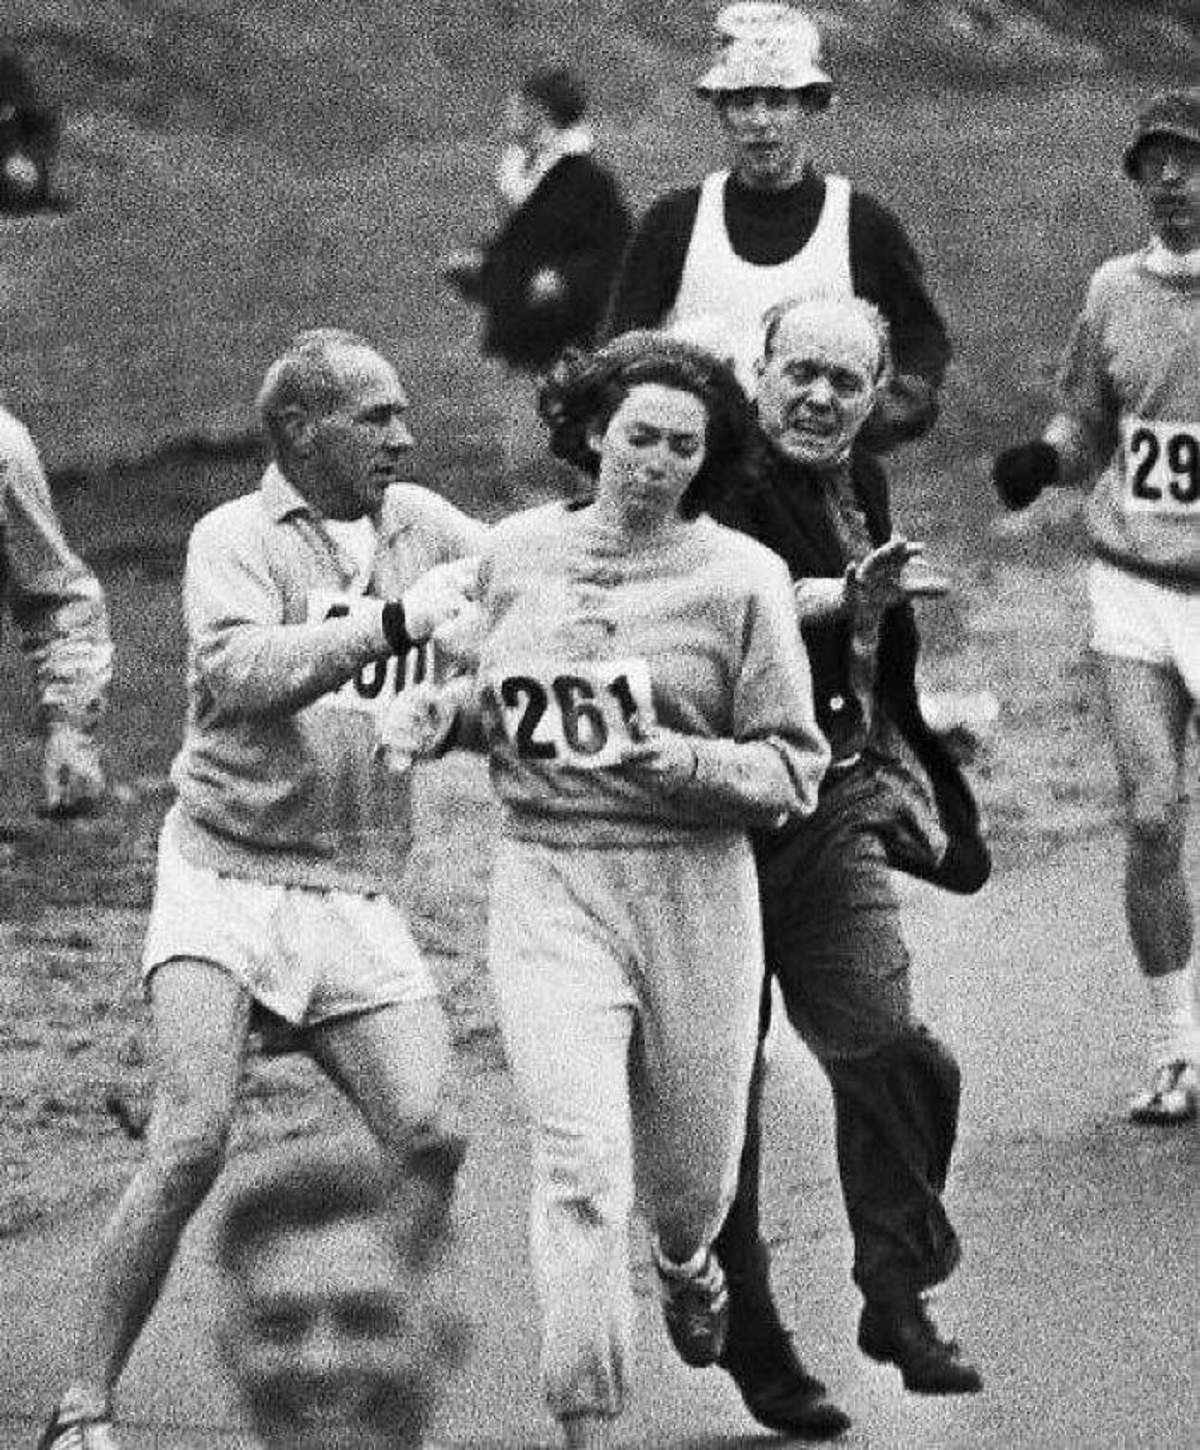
(904, 1335)
(781, 1394)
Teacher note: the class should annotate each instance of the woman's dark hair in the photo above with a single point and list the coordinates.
(585, 389)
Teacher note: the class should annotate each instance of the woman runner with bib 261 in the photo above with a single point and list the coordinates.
(646, 700)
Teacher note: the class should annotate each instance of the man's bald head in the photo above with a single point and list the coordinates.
(311, 374)
(849, 326)
(824, 362)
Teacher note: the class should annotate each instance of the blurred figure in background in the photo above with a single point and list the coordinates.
(1128, 428)
(543, 278)
(335, 1321)
(62, 622)
(28, 138)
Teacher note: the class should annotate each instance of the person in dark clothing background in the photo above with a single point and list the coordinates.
(543, 278)
(28, 138)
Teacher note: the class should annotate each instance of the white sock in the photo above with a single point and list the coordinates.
(79, 1400)
(687, 1270)
(1174, 1031)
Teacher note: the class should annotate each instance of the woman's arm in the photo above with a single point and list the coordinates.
(772, 766)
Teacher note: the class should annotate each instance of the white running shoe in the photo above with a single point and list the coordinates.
(695, 1307)
(1171, 1096)
(74, 1428)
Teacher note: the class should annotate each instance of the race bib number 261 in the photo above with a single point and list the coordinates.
(1162, 467)
(577, 717)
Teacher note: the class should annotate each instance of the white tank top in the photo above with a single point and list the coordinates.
(727, 296)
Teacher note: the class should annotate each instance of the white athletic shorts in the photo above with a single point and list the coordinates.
(1137, 619)
(309, 955)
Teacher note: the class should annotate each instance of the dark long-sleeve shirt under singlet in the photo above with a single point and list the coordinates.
(765, 228)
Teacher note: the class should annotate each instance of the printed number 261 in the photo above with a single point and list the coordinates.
(584, 727)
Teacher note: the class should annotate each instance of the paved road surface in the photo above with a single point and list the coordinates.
(1078, 1292)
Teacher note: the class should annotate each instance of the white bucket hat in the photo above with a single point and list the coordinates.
(748, 18)
(762, 45)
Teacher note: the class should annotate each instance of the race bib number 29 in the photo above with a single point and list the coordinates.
(578, 717)
(1162, 467)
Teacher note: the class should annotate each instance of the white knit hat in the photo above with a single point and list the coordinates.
(763, 45)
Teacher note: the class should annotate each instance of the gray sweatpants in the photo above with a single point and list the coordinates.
(628, 983)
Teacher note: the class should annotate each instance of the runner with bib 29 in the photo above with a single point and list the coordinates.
(1129, 419)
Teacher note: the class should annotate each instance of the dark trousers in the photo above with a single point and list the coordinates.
(831, 923)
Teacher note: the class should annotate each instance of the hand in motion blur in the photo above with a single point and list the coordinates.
(546, 287)
(655, 752)
(460, 638)
(416, 725)
(72, 776)
(877, 581)
(439, 596)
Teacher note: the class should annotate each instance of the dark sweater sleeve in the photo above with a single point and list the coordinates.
(886, 270)
(647, 282)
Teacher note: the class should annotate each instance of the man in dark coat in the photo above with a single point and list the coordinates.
(892, 798)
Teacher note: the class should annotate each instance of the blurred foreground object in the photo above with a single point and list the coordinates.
(59, 610)
(336, 1322)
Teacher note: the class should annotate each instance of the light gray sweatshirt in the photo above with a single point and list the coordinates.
(279, 777)
(1130, 395)
(575, 616)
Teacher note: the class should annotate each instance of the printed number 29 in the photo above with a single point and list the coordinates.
(584, 727)
(1183, 465)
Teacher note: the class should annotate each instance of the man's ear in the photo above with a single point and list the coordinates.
(298, 428)
(758, 370)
